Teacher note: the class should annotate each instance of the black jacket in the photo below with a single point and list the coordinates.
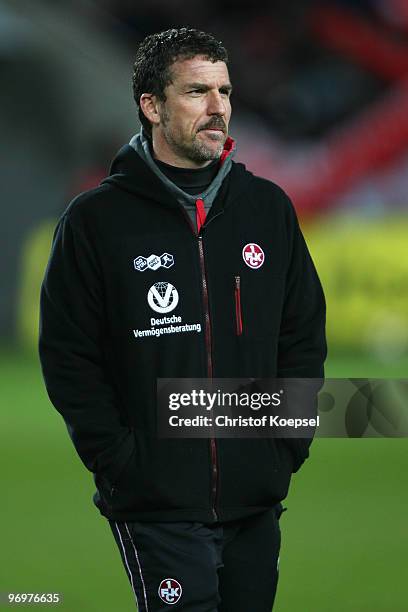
(100, 361)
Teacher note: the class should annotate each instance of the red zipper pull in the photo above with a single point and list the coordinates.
(200, 214)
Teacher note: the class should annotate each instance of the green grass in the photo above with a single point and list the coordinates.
(345, 533)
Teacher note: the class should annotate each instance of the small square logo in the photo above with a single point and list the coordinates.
(167, 260)
(153, 262)
(140, 263)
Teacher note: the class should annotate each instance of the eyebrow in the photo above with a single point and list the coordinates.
(205, 87)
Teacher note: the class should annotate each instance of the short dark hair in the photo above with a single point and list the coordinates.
(157, 52)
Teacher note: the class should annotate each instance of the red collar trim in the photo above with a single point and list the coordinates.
(229, 147)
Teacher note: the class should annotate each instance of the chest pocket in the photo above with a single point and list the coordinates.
(258, 298)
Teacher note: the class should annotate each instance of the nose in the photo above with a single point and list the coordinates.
(216, 104)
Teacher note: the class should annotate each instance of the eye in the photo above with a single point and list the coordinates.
(196, 91)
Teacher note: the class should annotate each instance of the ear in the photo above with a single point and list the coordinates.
(150, 108)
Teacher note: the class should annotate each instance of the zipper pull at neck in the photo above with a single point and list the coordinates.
(200, 214)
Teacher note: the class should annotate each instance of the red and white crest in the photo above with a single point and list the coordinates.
(170, 591)
(253, 255)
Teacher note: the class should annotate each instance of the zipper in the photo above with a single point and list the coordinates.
(206, 308)
(208, 344)
(238, 309)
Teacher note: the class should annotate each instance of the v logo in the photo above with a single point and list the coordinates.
(162, 297)
(163, 302)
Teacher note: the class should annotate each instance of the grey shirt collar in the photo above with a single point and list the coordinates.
(140, 144)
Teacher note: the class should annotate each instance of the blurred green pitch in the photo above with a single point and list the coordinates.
(344, 535)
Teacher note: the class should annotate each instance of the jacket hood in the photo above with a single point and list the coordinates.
(131, 173)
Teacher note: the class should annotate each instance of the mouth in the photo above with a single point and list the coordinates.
(213, 128)
(213, 131)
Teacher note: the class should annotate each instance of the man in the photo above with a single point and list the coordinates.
(181, 264)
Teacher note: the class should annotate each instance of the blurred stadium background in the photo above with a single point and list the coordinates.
(321, 107)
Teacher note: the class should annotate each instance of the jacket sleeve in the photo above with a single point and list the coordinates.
(72, 354)
(302, 342)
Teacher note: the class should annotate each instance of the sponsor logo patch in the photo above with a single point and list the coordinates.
(162, 297)
(153, 262)
(253, 255)
(164, 326)
(170, 591)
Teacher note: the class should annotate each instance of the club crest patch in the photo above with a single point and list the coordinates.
(162, 297)
(253, 255)
(170, 591)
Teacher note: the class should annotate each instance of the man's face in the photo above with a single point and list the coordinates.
(195, 116)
